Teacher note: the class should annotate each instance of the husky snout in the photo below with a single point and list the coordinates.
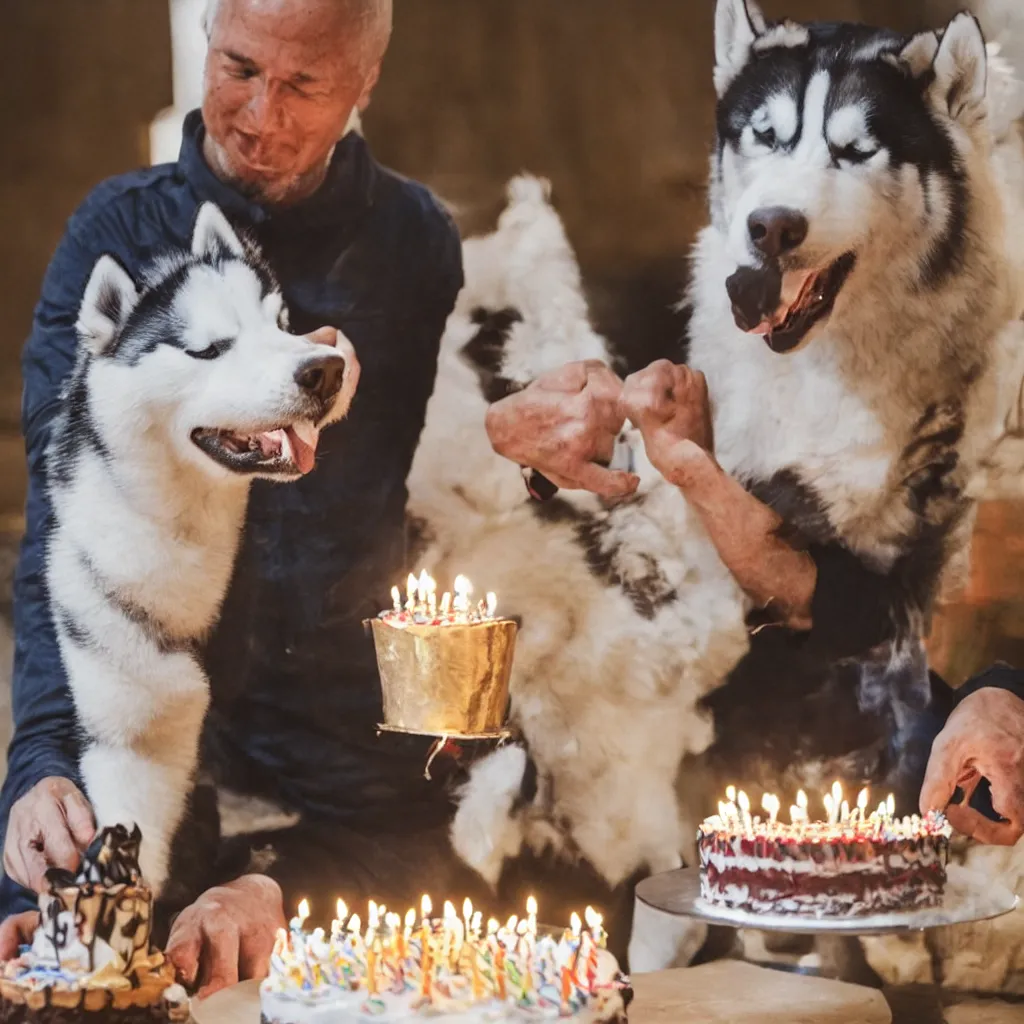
(321, 378)
(775, 230)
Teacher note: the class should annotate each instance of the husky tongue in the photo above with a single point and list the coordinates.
(303, 437)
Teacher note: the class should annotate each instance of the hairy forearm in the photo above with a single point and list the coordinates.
(745, 532)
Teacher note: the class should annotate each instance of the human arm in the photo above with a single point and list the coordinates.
(669, 405)
(837, 605)
(42, 813)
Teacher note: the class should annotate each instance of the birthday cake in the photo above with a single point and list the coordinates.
(447, 971)
(445, 665)
(848, 865)
(90, 957)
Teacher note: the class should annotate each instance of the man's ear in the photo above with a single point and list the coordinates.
(368, 86)
(109, 298)
(738, 23)
(213, 237)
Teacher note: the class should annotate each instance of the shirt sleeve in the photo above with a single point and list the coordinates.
(1001, 677)
(45, 739)
(856, 608)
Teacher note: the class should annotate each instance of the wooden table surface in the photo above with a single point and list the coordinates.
(726, 992)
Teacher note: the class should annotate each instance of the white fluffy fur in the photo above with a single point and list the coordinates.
(155, 524)
(605, 698)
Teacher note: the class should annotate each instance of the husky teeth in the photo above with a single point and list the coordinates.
(287, 452)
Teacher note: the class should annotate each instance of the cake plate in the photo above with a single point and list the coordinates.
(968, 897)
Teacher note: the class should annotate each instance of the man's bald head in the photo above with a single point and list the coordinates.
(369, 20)
(282, 80)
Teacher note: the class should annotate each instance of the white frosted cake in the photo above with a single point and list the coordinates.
(446, 971)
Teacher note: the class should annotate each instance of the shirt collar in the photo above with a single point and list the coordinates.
(346, 191)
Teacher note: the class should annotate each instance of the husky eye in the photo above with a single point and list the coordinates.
(852, 155)
(765, 138)
(214, 349)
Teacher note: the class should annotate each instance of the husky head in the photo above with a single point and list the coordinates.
(840, 148)
(196, 358)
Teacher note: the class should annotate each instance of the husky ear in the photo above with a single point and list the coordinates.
(961, 69)
(213, 237)
(957, 60)
(737, 24)
(109, 298)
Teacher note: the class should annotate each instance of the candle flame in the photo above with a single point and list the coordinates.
(730, 794)
(303, 911)
(801, 800)
(512, 922)
(576, 924)
(492, 926)
(354, 924)
(890, 805)
(446, 603)
(523, 927)
(411, 587)
(531, 906)
(722, 811)
(396, 598)
(410, 918)
(475, 923)
(862, 800)
(744, 802)
(341, 909)
(492, 604)
(449, 911)
(373, 920)
(426, 907)
(592, 917)
(837, 793)
(467, 909)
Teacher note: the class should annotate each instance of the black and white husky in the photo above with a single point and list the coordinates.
(187, 387)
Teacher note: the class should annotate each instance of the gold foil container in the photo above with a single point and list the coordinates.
(448, 680)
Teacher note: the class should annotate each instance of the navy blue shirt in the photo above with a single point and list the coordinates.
(295, 688)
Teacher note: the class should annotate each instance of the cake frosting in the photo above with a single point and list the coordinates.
(443, 970)
(849, 865)
(91, 953)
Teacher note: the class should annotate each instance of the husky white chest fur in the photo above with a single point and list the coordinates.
(187, 387)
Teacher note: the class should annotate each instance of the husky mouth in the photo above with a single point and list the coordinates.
(783, 307)
(287, 451)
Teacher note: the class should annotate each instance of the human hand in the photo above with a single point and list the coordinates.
(984, 738)
(669, 405)
(227, 935)
(564, 425)
(50, 826)
(17, 931)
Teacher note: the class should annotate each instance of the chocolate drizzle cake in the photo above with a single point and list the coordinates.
(91, 953)
(850, 865)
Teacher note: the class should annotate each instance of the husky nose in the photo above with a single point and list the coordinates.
(775, 230)
(321, 377)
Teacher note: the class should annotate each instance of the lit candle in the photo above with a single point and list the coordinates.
(396, 599)
(426, 907)
(862, 803)
(771, 804)
(745, 808)
(410, 921)
(890, 805)
(410, 593)
(338, 923)
(301, 914)
(594, 923)
(730, 794)
(531, 910)
(463, 588)
(492, 605)
(845, 813)
(467, 914)
(446, 603)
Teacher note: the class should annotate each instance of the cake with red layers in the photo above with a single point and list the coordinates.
(851, 864)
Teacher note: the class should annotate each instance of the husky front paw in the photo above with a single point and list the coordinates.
(487, 828)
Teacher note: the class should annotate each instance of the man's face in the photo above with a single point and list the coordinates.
(282, 79)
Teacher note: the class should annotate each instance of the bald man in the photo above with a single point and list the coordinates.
(294, 681)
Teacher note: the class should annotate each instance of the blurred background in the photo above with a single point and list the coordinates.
(612, 101)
